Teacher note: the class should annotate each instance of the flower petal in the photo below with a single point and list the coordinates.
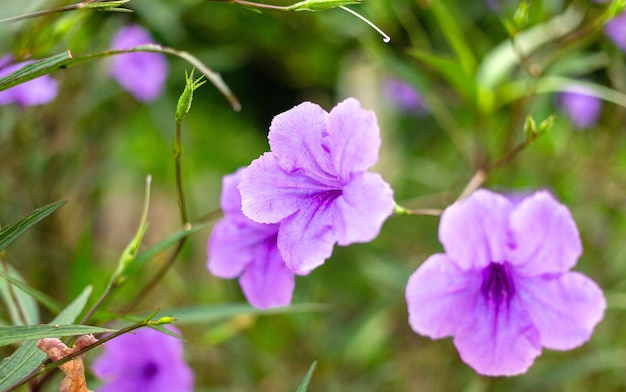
(231, 198)
(233, 245)
(306, 238)
(269, 194)
(366, 202)
(545, 236)
(295, 138)
(473, 231)
(353, 138)
(267, 282)
(565, 309)
(440, 297)
(500, 343)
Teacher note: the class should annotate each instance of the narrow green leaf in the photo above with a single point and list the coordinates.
(307, 378)
(40, 296)
(450, 70)
(20, 333)
(456, 38)
(216, 313)
(15, 230)
(159, 247)
(21, 306)
(27, 358)
(66, 60)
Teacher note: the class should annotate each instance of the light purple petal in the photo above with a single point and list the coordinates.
(615, 29)
(269, 194)
(581, 106)
(363, 207)
(564, 309)
(441, 297)
(353, 138)
(306, 239)
(545, 236)
(142, 74)
(233, 245)
(230, 199)
(503, 343)
(267, 282)
(473, 231)
(295, 138)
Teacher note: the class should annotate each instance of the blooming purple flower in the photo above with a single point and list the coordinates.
(142, 74)
(504, 288)
(581, 106)
(144, 360)
(405, 96)
(615, 29)
(314, 182)
(38, 91)
(241, 247)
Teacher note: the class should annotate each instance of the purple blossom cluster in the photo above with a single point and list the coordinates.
(504, 288)
(145, 360)
(295, 203)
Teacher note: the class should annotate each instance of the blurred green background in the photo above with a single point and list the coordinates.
(95, 144)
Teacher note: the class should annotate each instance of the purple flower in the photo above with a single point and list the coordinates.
(581, 106)
(38, 91)
(142, 74)
(615, 29)
(504, 288)
(405, 96)
(144, 360)
(314, 182)
(241, 247)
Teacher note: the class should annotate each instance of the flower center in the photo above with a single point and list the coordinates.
(150, 370)
(498, 285)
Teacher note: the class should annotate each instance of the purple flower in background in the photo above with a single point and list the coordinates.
(315, 184)
(142, 74)
(504, 288)
(144, 360)
(581, 106)
(615, 29)
(241, 247)
(38, 91)
(405, 96)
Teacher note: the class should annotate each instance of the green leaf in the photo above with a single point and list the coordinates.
(66, 60)
(27, 358)
(42, 297)
(21, 306)
(449, 24)
(15, 230)
(20, 333)
(320, 5)
(307, 378)
(450, 70)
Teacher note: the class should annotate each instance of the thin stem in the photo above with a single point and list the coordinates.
(182, 204)
(41, 13)
(260, 5)
(386, 38)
